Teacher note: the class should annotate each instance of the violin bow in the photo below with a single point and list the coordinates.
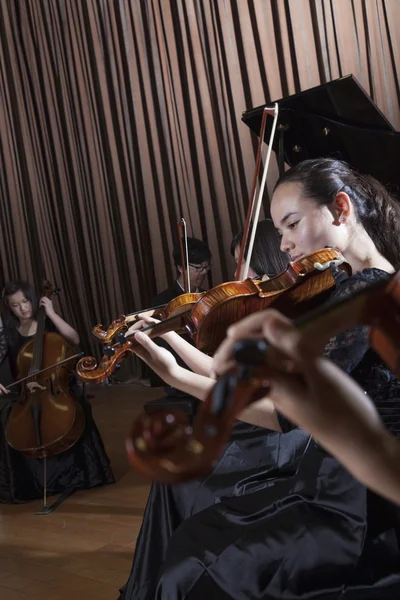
(182, 232)
(255, 206)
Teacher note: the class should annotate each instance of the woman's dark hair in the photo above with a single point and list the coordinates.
(375, 208)
(267, 257)
(198, 252)
(12, 287)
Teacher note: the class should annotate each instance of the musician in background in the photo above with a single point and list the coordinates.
(86, 464)
(199, 262)
(199, 256)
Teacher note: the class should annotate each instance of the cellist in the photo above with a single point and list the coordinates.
(86, 464)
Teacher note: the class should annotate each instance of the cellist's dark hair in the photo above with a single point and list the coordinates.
(375, 208)
(12, 287)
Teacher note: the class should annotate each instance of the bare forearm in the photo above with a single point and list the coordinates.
(261, 413)
(68, 332)
(195, 359)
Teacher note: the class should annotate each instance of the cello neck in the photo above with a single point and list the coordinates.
(38, 343)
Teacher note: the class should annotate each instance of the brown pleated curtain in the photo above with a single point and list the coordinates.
(119, 117)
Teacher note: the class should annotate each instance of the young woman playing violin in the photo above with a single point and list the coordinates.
(319, 533)
(250, 458)
(86, 464)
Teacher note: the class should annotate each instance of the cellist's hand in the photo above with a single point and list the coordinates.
(48, 306)
(159, 359)
(3, 390)
(141, 322)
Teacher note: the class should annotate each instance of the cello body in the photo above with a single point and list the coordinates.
(47, 419)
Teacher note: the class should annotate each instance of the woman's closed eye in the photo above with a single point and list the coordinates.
(293, 225)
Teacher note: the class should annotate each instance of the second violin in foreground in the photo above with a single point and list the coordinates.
(165, 448)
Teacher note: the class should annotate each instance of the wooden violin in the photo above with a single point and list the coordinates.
(122, 322)
(165, 448)
(174, 307)
(308, 280)
(205, 318)
(47, 419)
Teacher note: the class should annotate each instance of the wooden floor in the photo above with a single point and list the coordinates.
(85, 548)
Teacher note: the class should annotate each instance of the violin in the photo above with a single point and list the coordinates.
(174, 307)
(122, 322)
(165, 448)
(228, 303)
(47, 419)
(90, 371)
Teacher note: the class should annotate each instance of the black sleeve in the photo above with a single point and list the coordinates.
(3, 345)
(348, 348)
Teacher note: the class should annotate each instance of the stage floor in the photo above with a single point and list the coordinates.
(84, 549)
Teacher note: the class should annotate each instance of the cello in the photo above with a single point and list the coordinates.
(46, 419)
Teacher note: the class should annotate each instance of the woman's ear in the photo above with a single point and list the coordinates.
(341, 208)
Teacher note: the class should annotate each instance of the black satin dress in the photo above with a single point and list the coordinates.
(83, 466)
(252, 460)
(317, 534)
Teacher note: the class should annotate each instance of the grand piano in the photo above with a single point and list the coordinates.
(336, 119)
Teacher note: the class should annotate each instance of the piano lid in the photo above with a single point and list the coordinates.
(336, 119)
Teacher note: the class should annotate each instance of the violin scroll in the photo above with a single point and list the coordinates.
(90, 371)
(158, 442)
(106, 336)
(164, 447)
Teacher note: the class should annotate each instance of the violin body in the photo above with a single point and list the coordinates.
(208, 320)
(47, 420)
(228, 303)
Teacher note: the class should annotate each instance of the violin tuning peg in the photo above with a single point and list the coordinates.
(109, 351)
(120, 338)
(250, 352)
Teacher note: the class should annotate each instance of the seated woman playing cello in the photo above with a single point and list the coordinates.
(319, 533)
(85, 464)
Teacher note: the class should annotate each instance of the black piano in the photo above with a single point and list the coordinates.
(338, 120)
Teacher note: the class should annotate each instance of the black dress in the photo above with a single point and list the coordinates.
(83, 466)
(317, 534)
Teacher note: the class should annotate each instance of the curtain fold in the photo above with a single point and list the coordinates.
(119, 117)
